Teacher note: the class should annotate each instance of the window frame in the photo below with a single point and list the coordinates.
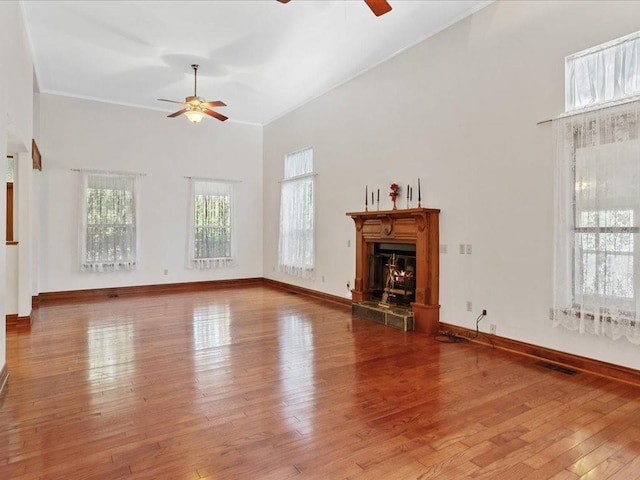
(622, 303)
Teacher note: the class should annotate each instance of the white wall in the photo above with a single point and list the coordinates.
(11, 294)
(459, 111)
(82, 134)
(16, 118)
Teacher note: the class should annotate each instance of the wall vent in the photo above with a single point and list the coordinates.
(557, 368)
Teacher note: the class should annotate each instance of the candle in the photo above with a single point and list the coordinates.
(411, 194)
(419, 197)
(407, 194)
(366, 195)
(371, 198)
(378, 195)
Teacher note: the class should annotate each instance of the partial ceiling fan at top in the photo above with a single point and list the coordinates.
(378, 7)
(196, 107)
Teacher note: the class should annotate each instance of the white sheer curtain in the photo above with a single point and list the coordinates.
(108, 222)
(296, 248)
(209, 242)
(603, 74)
(597, 220)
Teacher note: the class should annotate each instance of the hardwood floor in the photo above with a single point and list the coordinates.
(257, 383)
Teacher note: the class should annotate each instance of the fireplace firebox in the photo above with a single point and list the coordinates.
(397, 252)
(392, 270)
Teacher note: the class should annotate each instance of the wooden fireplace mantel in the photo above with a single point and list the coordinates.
(417, 226)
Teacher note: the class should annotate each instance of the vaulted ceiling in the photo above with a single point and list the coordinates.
(262, 58)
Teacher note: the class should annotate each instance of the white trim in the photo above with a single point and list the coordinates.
(207, 179)
(601, 106)
(108, 172)
(298, 177)
(603, 46)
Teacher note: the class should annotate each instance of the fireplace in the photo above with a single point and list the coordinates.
(397, 251)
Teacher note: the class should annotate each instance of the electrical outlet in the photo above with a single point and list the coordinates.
(322, 278)
(469, 307)
(348, 243)
(462, 249)
(166, 271)
(492, 329)
(443, 248)
(469, 249)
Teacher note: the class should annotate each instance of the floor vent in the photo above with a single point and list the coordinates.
(557, 368)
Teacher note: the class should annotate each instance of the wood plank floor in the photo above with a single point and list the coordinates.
(257, 383)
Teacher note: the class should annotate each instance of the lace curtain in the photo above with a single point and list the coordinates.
(296, 247)
(597, 220)
(108, 233)
(603, 74)
(209, 230)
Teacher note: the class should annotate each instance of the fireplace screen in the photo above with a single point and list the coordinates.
(392, 273)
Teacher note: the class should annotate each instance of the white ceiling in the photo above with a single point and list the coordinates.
(262, 58)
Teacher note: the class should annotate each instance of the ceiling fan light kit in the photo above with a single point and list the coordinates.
(194, 115)
(195, 107)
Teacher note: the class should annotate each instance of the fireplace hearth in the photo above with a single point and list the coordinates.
(397, 267)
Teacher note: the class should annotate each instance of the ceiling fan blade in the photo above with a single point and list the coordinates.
(379, 7)
(213, 114)
(172, 101)
(216, 103)
(179, 112)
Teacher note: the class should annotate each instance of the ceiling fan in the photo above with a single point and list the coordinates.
(378, 7)
(195, 107)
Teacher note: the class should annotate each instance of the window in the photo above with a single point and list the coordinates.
(606, 224)
(210, 231)
(10, 169)
(296, 247)
(109, 222)
(597, 222)
(10, 174)
(603, 74)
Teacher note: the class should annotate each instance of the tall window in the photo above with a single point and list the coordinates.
(10, 175)
(109, 222)
(296, 248)
(597, 201)
(210, 232)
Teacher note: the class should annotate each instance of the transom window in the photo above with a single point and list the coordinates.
(603, 74)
